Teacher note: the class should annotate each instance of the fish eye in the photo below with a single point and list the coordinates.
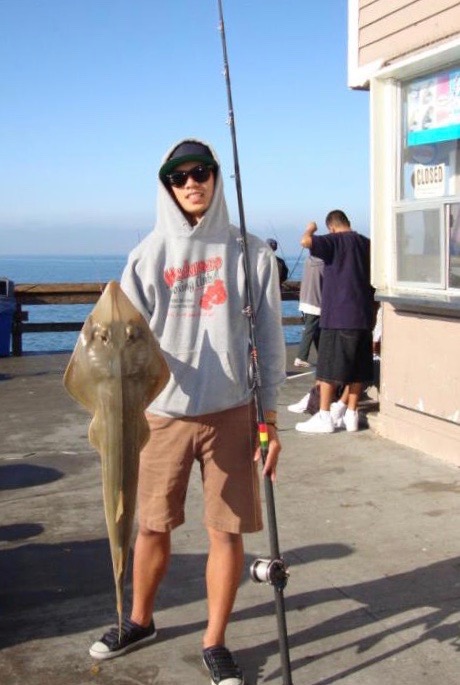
(132, 333)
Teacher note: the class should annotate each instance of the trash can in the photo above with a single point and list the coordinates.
(7, 307)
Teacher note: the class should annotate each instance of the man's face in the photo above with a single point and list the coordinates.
(194, 197)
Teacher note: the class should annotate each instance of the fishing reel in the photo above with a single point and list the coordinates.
(271, 571)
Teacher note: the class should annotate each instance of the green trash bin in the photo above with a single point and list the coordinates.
(7, 307)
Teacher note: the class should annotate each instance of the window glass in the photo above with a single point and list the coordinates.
(430, 159)
(418, 247)
(454, 246)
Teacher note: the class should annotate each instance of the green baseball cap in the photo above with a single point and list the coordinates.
(188, 151)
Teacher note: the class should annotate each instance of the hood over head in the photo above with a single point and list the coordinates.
(170, 218)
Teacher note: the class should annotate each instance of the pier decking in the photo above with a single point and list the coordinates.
(368, 528)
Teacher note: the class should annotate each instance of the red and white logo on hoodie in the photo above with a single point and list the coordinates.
(215, 293)
(189, 280)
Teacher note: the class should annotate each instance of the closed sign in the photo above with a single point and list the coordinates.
(429, 180)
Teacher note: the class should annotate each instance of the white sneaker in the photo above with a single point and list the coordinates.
(317, 424)
(351, 421)
(300, 362)
(301, 406)
(338, 410)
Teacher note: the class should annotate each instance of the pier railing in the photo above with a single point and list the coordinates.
(33, 294)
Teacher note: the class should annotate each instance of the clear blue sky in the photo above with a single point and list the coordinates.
(95, 91)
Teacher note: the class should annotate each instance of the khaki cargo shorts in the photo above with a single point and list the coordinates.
(223, 444)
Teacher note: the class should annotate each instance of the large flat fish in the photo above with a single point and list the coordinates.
(115, 371)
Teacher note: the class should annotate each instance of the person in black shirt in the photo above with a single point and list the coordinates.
(347, 313)
(282, 266)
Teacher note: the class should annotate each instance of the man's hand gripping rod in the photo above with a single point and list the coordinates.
(272, 571)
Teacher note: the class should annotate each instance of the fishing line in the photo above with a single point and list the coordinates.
(275, 235)
(297, 262)
(291, 271)
(274, 569)
(283, 256)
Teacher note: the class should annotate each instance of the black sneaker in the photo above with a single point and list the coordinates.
(221, 666)
(132, 636)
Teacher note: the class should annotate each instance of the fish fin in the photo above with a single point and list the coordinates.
(77, 376)
(94, 433)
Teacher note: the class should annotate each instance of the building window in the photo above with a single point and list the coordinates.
(427, 209)
(454, 246)
(419, 244)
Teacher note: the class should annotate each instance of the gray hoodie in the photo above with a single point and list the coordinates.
(311, 286)
(189, 284)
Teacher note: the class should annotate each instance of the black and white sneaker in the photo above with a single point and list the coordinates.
(132, 636)
(221, 666)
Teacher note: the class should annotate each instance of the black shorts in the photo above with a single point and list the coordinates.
(345, 356)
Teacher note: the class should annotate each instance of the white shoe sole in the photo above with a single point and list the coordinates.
(302, 428)
(101, 655)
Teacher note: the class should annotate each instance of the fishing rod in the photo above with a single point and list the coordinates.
(272, 571)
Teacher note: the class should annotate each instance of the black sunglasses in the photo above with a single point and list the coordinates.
(199, 173)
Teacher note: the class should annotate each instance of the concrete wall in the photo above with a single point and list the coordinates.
(420, 382)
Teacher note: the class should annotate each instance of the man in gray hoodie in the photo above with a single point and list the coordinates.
(187, 279)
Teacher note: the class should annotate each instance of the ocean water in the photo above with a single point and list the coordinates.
(91, 269)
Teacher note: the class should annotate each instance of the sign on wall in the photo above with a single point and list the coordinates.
(433, 109)
(429, 181)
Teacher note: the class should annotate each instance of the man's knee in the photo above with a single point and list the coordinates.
(221, 537)
(152, 537)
